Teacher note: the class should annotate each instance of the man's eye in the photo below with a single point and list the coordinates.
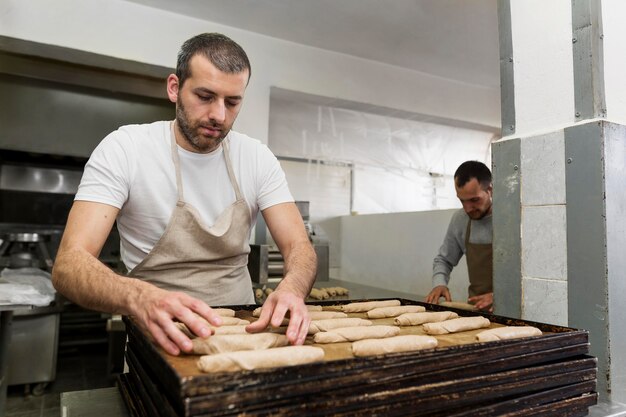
(232, 103)
(204, 98)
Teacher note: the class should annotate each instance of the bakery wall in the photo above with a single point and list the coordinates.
(134, 32)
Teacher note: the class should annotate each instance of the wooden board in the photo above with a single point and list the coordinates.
(349, 384)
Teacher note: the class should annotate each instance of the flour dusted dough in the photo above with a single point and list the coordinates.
(237, 342)
(259, 359)
(232, 321)
(368, 305)
(224, 312)
(415, 319)
(384, 312)
(456, 325)
(257, 311)
(459, 305)
(322, 315)
(350, 334)
(330, 324)
(507, 332)
(404, 343)
(236, 329)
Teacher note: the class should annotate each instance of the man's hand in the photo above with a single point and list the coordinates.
(438, 292)
(482, 302)
(156, 309)
(274, 310)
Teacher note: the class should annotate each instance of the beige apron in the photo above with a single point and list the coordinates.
(206, 263)
(479, 264)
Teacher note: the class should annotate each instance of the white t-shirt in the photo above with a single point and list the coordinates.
(132, 169)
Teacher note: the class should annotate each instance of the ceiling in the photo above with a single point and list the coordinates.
(454, 39)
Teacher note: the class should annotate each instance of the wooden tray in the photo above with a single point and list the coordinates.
(460, 373)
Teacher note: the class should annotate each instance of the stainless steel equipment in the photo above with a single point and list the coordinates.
(23, 250)
(35, 332)
(265, 262)
(36, 193)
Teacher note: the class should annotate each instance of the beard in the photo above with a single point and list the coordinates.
(192, 133)
(479, 214)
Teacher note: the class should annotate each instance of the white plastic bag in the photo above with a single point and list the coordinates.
(29, 286)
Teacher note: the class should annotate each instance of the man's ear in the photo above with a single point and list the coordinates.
(172, 88)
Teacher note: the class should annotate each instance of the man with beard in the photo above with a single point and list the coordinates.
(470, 233)
(185, 194)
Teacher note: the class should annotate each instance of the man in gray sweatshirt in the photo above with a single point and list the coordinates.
(470, 232)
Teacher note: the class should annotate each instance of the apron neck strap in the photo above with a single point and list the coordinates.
(176, 160)
(229, 167)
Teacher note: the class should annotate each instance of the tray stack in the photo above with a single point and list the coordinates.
(550, 374)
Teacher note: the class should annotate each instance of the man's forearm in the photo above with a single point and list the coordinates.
(300, 269)
(82, 278)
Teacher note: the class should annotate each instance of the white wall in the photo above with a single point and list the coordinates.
(131, 31)
(614, 31)
(396, 251)
(543, 65)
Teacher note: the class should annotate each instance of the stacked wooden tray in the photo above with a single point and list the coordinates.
(550, 374)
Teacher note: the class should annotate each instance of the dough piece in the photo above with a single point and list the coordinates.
(236, 329)
(224, 312)
(258, 294)
(268, 291)
(257, 311)
(350, 334)
(259, 359)
(183, 328)
(384, 312)
(322, 315)
(459, 305)
(368, 305)
(237, 342)
(232, 321)
(329, 324)
(507, 332)
(404, 343)
(318, 294)
(456, 325)
(415, 319)
(341, 290)
(330, 291)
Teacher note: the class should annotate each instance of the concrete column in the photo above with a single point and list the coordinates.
(559, 169)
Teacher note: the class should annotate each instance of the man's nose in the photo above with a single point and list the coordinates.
(218, 111)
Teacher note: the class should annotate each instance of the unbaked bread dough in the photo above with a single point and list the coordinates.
(224, 312)
(351, 334)
(507, 332)
(330, 324)
(237, 342)
(456, 325)
(415, 319)
(368, 305)
(459, 305)
(259, 359)
(384, 312)
(405, 343)
(322, 315)
(310, 307)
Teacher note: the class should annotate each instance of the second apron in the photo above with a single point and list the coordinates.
(479, 258)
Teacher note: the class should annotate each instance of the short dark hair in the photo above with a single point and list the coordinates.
(472, 169)
(223, 52)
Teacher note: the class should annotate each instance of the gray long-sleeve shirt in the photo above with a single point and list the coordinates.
(453, 247)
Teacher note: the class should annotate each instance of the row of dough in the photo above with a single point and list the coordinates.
(265, 350)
